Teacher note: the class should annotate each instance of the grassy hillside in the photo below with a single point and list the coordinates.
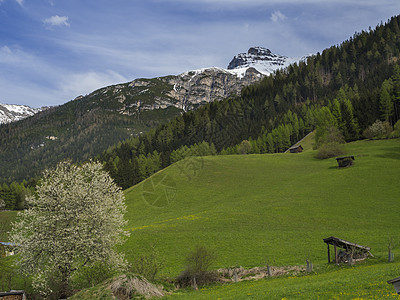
(272, 208)
(275, 209)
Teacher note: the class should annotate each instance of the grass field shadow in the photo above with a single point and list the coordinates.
(392, 153)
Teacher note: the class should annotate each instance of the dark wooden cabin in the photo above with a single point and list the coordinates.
(349, 250)
(296, 149)
(396, 284)
(345, 161)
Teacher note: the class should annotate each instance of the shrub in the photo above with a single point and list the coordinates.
(379, 130)
(328, 135)
(148, 265)
(197, 271)
(244, 147)
(330, 150)
(91, 275)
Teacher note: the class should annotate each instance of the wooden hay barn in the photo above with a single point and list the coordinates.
(349, 250)
(296, 149)
(13, 295)
(345, 161)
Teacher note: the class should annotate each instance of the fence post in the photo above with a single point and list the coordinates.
(390, 256)
(269, 271)
(309, 268)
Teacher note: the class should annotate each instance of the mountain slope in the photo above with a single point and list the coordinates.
(11, 112)
(88, 125)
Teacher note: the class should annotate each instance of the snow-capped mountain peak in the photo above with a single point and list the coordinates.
(262, 59)
(12, 112)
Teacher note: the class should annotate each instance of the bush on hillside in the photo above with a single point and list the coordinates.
(197, 271)
(378, 130)
(330, 150)
(244, 147)
(329, 135)
(330, 144)
(148, 265)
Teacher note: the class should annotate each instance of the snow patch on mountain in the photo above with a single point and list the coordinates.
(12, 112)
(259, 58)
(262, 59)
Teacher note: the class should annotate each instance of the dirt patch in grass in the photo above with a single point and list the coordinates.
(240, 273)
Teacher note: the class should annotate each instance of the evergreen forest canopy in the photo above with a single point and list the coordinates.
(348, 86)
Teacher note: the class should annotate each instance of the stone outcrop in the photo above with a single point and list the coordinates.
(185, 92)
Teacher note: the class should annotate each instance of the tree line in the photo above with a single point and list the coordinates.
(12, 196)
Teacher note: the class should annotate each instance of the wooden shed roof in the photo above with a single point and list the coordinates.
(394, 280)
(295, 147)
(343, 157)
(13, 293)
(344, 244)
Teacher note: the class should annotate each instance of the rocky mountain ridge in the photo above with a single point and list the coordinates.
(184, 92)
(191, 89)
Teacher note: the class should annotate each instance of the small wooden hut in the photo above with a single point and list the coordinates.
(345, 161)
(349, 250)
(13, 295)
(296, 149)
(6, 249)
(396, 284)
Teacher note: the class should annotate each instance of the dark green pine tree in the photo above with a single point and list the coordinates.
(386, 101)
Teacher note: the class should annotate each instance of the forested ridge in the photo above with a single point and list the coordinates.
(345, 81)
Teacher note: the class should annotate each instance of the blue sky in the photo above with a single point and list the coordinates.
(52, 51)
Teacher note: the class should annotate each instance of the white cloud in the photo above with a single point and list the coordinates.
(57, 21)
(277, 16)
(28, 79)
(14, 56)
(20, 2)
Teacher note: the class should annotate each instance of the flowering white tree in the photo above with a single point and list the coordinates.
(75, 220)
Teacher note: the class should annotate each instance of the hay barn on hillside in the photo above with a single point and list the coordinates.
(345, 161)
(349, 250)
(296, 149)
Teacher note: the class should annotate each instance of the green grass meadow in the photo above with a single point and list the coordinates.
(276, 209)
